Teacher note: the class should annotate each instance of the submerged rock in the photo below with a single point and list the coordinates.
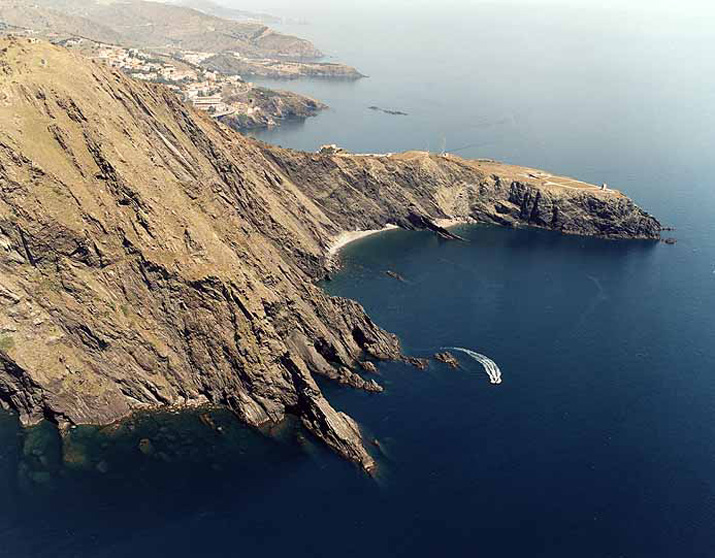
(208, 420)
(74, 454)
(146, 447)
(40, 477)
(395, 276)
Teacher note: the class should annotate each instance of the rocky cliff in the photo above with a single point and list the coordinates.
(402, 189)
(151, 257)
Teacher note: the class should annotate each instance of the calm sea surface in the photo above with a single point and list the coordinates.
(600, 442)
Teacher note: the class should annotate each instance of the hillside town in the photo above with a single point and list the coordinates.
(204, 89)
(205, 59)
(224, 96)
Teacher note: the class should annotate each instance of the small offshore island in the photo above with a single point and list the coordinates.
(153, 258)
(387, 111)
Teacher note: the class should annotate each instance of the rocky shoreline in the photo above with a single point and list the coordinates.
(152, 257)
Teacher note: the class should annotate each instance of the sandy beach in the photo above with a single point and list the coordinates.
(347, 237)
(450, 222)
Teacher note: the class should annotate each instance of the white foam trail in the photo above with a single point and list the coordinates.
(490, 367)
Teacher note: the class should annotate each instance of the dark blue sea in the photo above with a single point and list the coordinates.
(599, 442)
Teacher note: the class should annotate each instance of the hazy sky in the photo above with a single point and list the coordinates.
(681, 6)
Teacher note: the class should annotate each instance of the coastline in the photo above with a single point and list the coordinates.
(345, 238)
(448, 223)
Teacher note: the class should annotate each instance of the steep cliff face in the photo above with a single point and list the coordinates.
(152, 257)
(395, 188)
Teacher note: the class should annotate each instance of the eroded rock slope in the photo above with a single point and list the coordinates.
(152, 257)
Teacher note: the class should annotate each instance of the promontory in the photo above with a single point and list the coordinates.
(153, 257)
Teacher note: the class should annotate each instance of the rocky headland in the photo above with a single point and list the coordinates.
(151, 257)
(232, 64)
(266, 108)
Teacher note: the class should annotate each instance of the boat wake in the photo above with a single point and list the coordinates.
(490, 367)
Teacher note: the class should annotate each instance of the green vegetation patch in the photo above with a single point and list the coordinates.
(6, 343)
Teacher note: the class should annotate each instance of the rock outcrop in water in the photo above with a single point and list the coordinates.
(151, 257)
(448, 358)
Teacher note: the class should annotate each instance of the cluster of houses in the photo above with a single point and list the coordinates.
(143, 66)
(195, 57)
(203, 88)
(206, 94)
(200, 87)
